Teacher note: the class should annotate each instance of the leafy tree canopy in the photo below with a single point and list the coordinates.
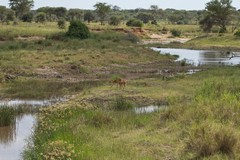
(21, 6)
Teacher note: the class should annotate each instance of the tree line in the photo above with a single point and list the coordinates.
(217, 14)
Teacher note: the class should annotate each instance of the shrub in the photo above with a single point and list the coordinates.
(164, 30)
(132, 38)
(77, 29)
(176, 33)
(237, 33)
(61, 24)
(207, 140)
(134, 23)
(114, 21)
(154, 22)
(41, 17)
(28, 17)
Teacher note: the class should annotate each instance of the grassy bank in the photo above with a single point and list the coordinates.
(199, 123)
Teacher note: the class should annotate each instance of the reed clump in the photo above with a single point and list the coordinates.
(7, 115)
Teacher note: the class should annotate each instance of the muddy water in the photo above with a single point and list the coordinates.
(203, 57)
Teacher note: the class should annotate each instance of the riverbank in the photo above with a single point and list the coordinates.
(100, 123)
(225, 42)
(198, 113)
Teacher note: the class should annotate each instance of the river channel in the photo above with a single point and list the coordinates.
(203, 57)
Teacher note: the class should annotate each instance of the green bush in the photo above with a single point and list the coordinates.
(176, 33)
(61, 24)
(41, 17)
(114, 21)
(237, 33)
(134, 23)
(77, 29)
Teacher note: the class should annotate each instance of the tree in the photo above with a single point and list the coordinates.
(75, 14)
(40, 17)
(88, 16)
(116, 8)
(27, 17)
(114, 20)
(102, 10)
(60, 12)
(218, 13)
(154, 10)
(21, 6)
(145, 17)
(6, 14)
(2, 13)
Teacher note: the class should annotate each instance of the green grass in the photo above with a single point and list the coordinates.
(200, 122)
(7, 116)
(9, 32)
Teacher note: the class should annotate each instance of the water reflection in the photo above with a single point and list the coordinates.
(203, 57)
(7, 134)
(17, 102)
(148, 109)
(12, 138)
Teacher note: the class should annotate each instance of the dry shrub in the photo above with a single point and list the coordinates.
(207, 140)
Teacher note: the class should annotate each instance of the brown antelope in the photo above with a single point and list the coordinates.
(119, 82)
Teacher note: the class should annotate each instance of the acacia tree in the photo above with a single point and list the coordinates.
(102, 10)
(88, 16)
(218, 13)
(21, 6)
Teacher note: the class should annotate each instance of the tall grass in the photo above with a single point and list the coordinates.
(7, 116)
(122, 104)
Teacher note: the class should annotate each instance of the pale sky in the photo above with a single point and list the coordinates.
(125, 4)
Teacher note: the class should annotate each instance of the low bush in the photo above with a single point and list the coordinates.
(77, 29)
(134, 23)
(176, 33)
(132, 38)
(237, 34)
(61, 24)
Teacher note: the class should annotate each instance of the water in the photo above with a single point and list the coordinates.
(148, 109)
(17, 102)
(203, 57)
(13, 138)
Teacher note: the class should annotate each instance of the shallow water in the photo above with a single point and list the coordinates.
(148, 109)
(17, 102)
(203, 57)
(13, 138)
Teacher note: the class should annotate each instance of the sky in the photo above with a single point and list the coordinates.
(125, 4)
